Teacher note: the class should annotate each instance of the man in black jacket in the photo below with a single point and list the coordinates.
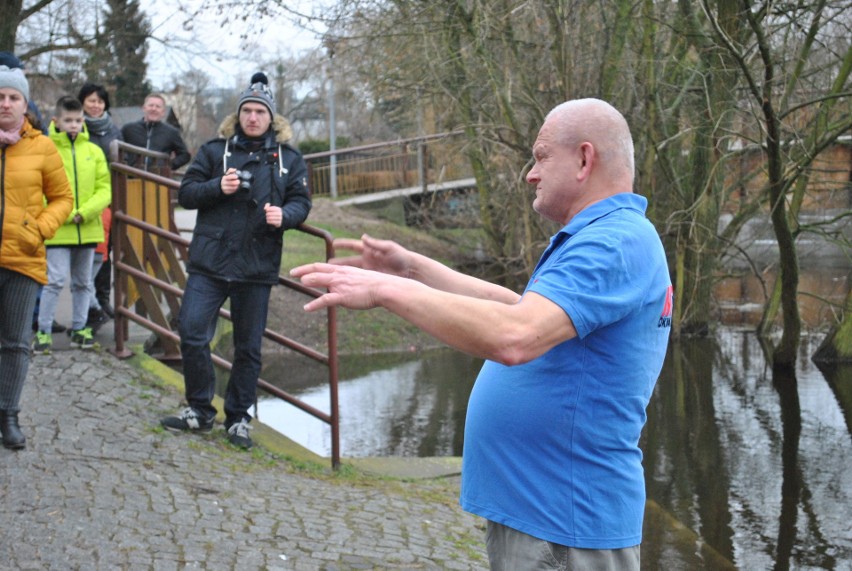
(152, 133)
(249, 186)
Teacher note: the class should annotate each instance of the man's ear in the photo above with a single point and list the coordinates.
(588, 157)
(56, 123)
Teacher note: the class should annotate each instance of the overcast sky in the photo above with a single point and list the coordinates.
(214, 44)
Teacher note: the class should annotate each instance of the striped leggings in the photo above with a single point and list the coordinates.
(17, 300)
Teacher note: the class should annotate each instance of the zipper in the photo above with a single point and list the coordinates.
(76, 187)
(2, 191)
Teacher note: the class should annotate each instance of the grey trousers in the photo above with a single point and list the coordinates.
(60, 263)
(17, 301)
(512, 550)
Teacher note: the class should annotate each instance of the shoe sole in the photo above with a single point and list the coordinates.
(241, 445)
(243, 442)
(182, 430)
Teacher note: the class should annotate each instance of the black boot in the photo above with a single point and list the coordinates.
(12, 436)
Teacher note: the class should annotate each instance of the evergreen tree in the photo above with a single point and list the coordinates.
(96, 66)
(117, 57)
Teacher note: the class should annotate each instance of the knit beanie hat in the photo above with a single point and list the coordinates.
(258, 92)
(10, 60)
(14, 78)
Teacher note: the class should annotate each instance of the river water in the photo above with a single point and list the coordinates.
(744, 468)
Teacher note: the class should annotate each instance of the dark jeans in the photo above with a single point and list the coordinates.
(197, 325)
(103, 283)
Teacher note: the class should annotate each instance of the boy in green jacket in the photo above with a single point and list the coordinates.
(72, 249)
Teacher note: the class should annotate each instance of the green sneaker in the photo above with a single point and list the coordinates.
(42, 342)
(82, 338)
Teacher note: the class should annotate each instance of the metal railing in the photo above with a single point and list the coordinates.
(418, 161)
(148, 271)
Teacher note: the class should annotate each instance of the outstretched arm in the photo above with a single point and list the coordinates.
(391, 258)
(509, 333)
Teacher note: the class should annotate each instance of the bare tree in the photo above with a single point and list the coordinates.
(797, 95)
(477, 66)
(701, 84)
(44, 26)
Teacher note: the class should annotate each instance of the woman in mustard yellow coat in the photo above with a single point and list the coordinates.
(35, 200)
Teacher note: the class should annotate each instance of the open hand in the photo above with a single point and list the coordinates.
(350, 287)
(384, 256)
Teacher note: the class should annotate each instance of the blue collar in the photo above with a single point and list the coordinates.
(597, 210)
(590, 214)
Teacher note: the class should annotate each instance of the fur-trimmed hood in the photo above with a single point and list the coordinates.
(281, 126)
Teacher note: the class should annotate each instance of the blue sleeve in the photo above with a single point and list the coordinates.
(594, 278)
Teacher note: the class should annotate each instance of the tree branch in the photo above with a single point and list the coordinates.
(27, 12)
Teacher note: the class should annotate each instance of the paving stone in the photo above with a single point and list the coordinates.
(101, 486)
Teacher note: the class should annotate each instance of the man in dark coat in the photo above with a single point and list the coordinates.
(152, 133)
(248, 186)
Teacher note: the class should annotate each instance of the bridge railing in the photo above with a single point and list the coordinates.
(417, 161)
(149, 257)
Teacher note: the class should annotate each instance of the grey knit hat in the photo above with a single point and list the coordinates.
(258, 92)
(15, 79)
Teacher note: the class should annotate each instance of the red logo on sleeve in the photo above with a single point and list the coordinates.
(666, 317)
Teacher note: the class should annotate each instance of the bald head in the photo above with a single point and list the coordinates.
(583, 154)
(599, 123)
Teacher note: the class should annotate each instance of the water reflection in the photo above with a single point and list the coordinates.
(741, 297)
(757, 462)
(745, 467)
(390, 405)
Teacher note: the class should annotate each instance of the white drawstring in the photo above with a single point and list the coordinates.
(281, 170)
(225, 157)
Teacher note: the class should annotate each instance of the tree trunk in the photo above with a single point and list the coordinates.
(700, 238)
(10, 13)
(704, 110)
(837, 345)
(786, 351)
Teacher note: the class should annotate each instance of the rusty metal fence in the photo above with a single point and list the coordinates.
(149, 257)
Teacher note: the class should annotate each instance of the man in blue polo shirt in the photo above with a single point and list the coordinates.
(551, 454)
